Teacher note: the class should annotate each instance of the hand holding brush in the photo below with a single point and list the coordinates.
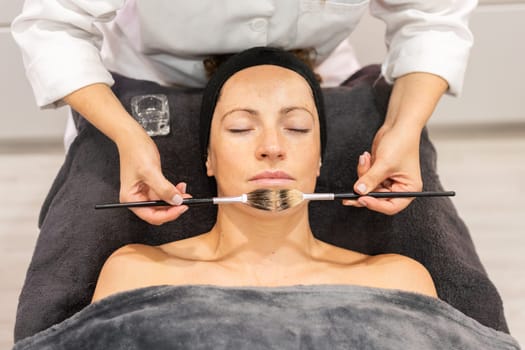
(275, 200)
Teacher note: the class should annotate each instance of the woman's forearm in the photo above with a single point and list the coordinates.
(393, 164)
(413, 100)
(141, 175)
(99, 105)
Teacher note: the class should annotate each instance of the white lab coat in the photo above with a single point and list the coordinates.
(69, 44)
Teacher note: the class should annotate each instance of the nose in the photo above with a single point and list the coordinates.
(271, 146)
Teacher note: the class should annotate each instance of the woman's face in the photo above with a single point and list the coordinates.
(264, 133)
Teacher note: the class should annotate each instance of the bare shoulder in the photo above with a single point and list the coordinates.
(127, 269)
(339, 255)
(192, 248)
(401, 272)
(137, 265)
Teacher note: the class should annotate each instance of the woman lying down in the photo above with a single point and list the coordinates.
(260, 279)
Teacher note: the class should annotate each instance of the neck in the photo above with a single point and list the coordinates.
(248, 238)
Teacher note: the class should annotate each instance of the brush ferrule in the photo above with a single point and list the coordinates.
(223, 200)
(318, 196)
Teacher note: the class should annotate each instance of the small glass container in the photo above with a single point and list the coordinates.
(152, 112)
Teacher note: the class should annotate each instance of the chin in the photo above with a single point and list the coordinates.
(269, 215)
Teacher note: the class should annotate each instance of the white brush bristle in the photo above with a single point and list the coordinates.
(274, 200)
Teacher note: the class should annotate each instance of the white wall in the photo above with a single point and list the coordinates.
(19, 116)
(493, 89)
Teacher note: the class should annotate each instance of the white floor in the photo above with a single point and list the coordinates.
(485, 168)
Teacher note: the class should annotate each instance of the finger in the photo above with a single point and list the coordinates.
(388, 206)
(373, 177)
(363, 164)
(164, 189)
(351, 202)
(160, 215)
(182, 186)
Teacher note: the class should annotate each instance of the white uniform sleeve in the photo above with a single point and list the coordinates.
(426, 36)
(60, 45)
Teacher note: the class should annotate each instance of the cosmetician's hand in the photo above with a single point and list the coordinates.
(141, 179)
(393, 166)
(394, 162)
(141, 176)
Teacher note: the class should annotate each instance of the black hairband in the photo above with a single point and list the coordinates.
(255, 57)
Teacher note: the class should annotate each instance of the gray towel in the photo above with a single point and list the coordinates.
(75, 240)
(297, 317)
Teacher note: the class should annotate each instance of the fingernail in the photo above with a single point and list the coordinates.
(361, 188)
(362, 202)
(176, 200)
(184, 185)
(361, 159)
(185, 210)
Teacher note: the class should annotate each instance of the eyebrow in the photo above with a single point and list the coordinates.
(253, 112)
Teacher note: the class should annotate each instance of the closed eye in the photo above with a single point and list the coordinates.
(239, 131)
(299, 130)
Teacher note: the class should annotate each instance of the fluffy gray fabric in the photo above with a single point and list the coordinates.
(75, 240)
(298, 317)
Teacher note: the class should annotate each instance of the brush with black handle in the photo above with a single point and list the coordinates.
(277, 199)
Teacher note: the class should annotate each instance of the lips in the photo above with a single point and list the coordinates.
(272, 175)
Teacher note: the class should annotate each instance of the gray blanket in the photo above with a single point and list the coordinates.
(75, 240)
(297, 317)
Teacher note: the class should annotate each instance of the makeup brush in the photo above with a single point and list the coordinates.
(260, 199)
(273, 200)
(290, 197)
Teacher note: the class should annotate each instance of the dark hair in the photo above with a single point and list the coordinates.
(255, 57)
(308, 56)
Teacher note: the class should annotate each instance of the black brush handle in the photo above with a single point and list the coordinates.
(158, 203)
(396, 194)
